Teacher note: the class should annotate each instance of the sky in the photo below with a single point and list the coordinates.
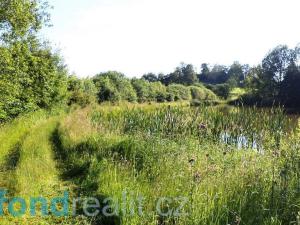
(140, 36)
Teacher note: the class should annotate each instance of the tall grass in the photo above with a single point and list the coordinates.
(234, 165)
(12, 133)
(148, 151)
(33, 172)
(11, 136)
(245, 127)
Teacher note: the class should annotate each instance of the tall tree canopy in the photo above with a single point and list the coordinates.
(276, 63)
(21, 18)
(277, 78)
(32, 76)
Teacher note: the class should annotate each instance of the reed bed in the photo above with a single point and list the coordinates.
(235, 165)
(232, 165)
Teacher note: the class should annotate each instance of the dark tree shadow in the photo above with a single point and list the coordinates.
(78, 172)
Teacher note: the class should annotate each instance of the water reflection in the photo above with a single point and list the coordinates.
(242, 141)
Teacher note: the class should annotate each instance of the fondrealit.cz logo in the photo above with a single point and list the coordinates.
(64, 206)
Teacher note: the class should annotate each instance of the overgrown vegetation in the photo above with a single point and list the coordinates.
(215, 164)
(234, 165)
(238, 168)
(32, 76)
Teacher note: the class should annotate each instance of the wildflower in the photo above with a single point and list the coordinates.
(202, 126)
(207, 155)
(197, 177)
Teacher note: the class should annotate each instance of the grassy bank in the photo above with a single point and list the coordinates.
(147, 163)
(176, 152)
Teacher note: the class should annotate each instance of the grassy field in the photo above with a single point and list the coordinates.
(156, 164)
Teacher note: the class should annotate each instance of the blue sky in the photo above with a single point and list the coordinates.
(140, 36)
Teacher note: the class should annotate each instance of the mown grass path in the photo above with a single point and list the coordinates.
(11, 137)
(29, 170)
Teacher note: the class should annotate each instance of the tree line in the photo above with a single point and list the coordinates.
(33, 75)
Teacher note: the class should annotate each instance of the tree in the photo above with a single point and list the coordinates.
(151, 77)
(22, 18)
(172, 78)
(277, 61)
(183, 74)
(32, 76)
(203, 76)
(217, 75)
(268, 78)
(189, 75)
(113, 86)
(290, 87)
(177, 92)
(81, 91)
(236, 75)
(276, 80)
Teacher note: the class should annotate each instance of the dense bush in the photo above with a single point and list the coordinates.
(158, 92)
(113, 86)
(31, 77)
(178, 92)
(142, 88)
(81, 91)
(202, 93)
(145, 90)
(149, 91)
(222, 90)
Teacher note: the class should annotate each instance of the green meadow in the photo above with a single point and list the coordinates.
(200, 143)
(156, 164)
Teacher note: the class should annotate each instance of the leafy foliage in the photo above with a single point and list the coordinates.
(276, 80)
(113, 86)
(202, 93)
(32, 76)
(22, 18)
(178, 92)
(81, 91)
(222, 90)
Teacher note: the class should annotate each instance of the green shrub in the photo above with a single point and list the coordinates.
(177, 92)
(81, 92)
(142, 88)
(202, 93)
(158, 92)
(198, 93)
(222, 90)
(113, 86)
(31, 77)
